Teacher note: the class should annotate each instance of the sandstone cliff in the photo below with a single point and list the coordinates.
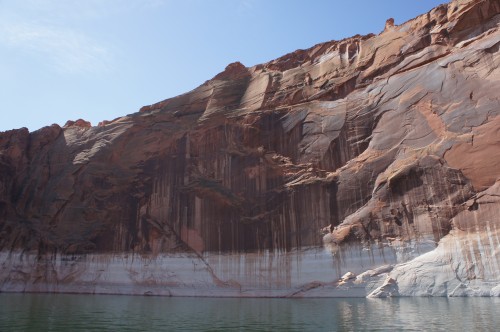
(389, 143)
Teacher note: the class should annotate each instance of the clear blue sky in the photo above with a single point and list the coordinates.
(101, 59)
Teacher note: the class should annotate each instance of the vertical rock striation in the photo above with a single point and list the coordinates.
(388, 143)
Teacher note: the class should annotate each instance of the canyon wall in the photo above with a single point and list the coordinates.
(366, 166)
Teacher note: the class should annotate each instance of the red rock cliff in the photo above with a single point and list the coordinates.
(383, 137)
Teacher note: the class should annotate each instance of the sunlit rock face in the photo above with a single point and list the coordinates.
(377, 155)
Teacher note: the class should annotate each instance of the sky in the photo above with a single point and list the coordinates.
(101, 59)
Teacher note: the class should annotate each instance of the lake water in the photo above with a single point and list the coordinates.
(48, 312)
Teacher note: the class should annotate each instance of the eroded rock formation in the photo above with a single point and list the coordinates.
(390, 143)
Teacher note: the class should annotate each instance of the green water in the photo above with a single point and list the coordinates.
(45, 312)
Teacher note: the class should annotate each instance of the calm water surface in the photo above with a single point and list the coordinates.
(45, 312)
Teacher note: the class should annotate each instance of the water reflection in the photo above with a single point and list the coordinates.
(39, 312)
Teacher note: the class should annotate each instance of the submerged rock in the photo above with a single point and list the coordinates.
(390, 139)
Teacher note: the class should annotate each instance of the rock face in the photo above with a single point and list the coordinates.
(388, 143)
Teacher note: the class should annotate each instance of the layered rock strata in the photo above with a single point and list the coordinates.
(377, 155)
